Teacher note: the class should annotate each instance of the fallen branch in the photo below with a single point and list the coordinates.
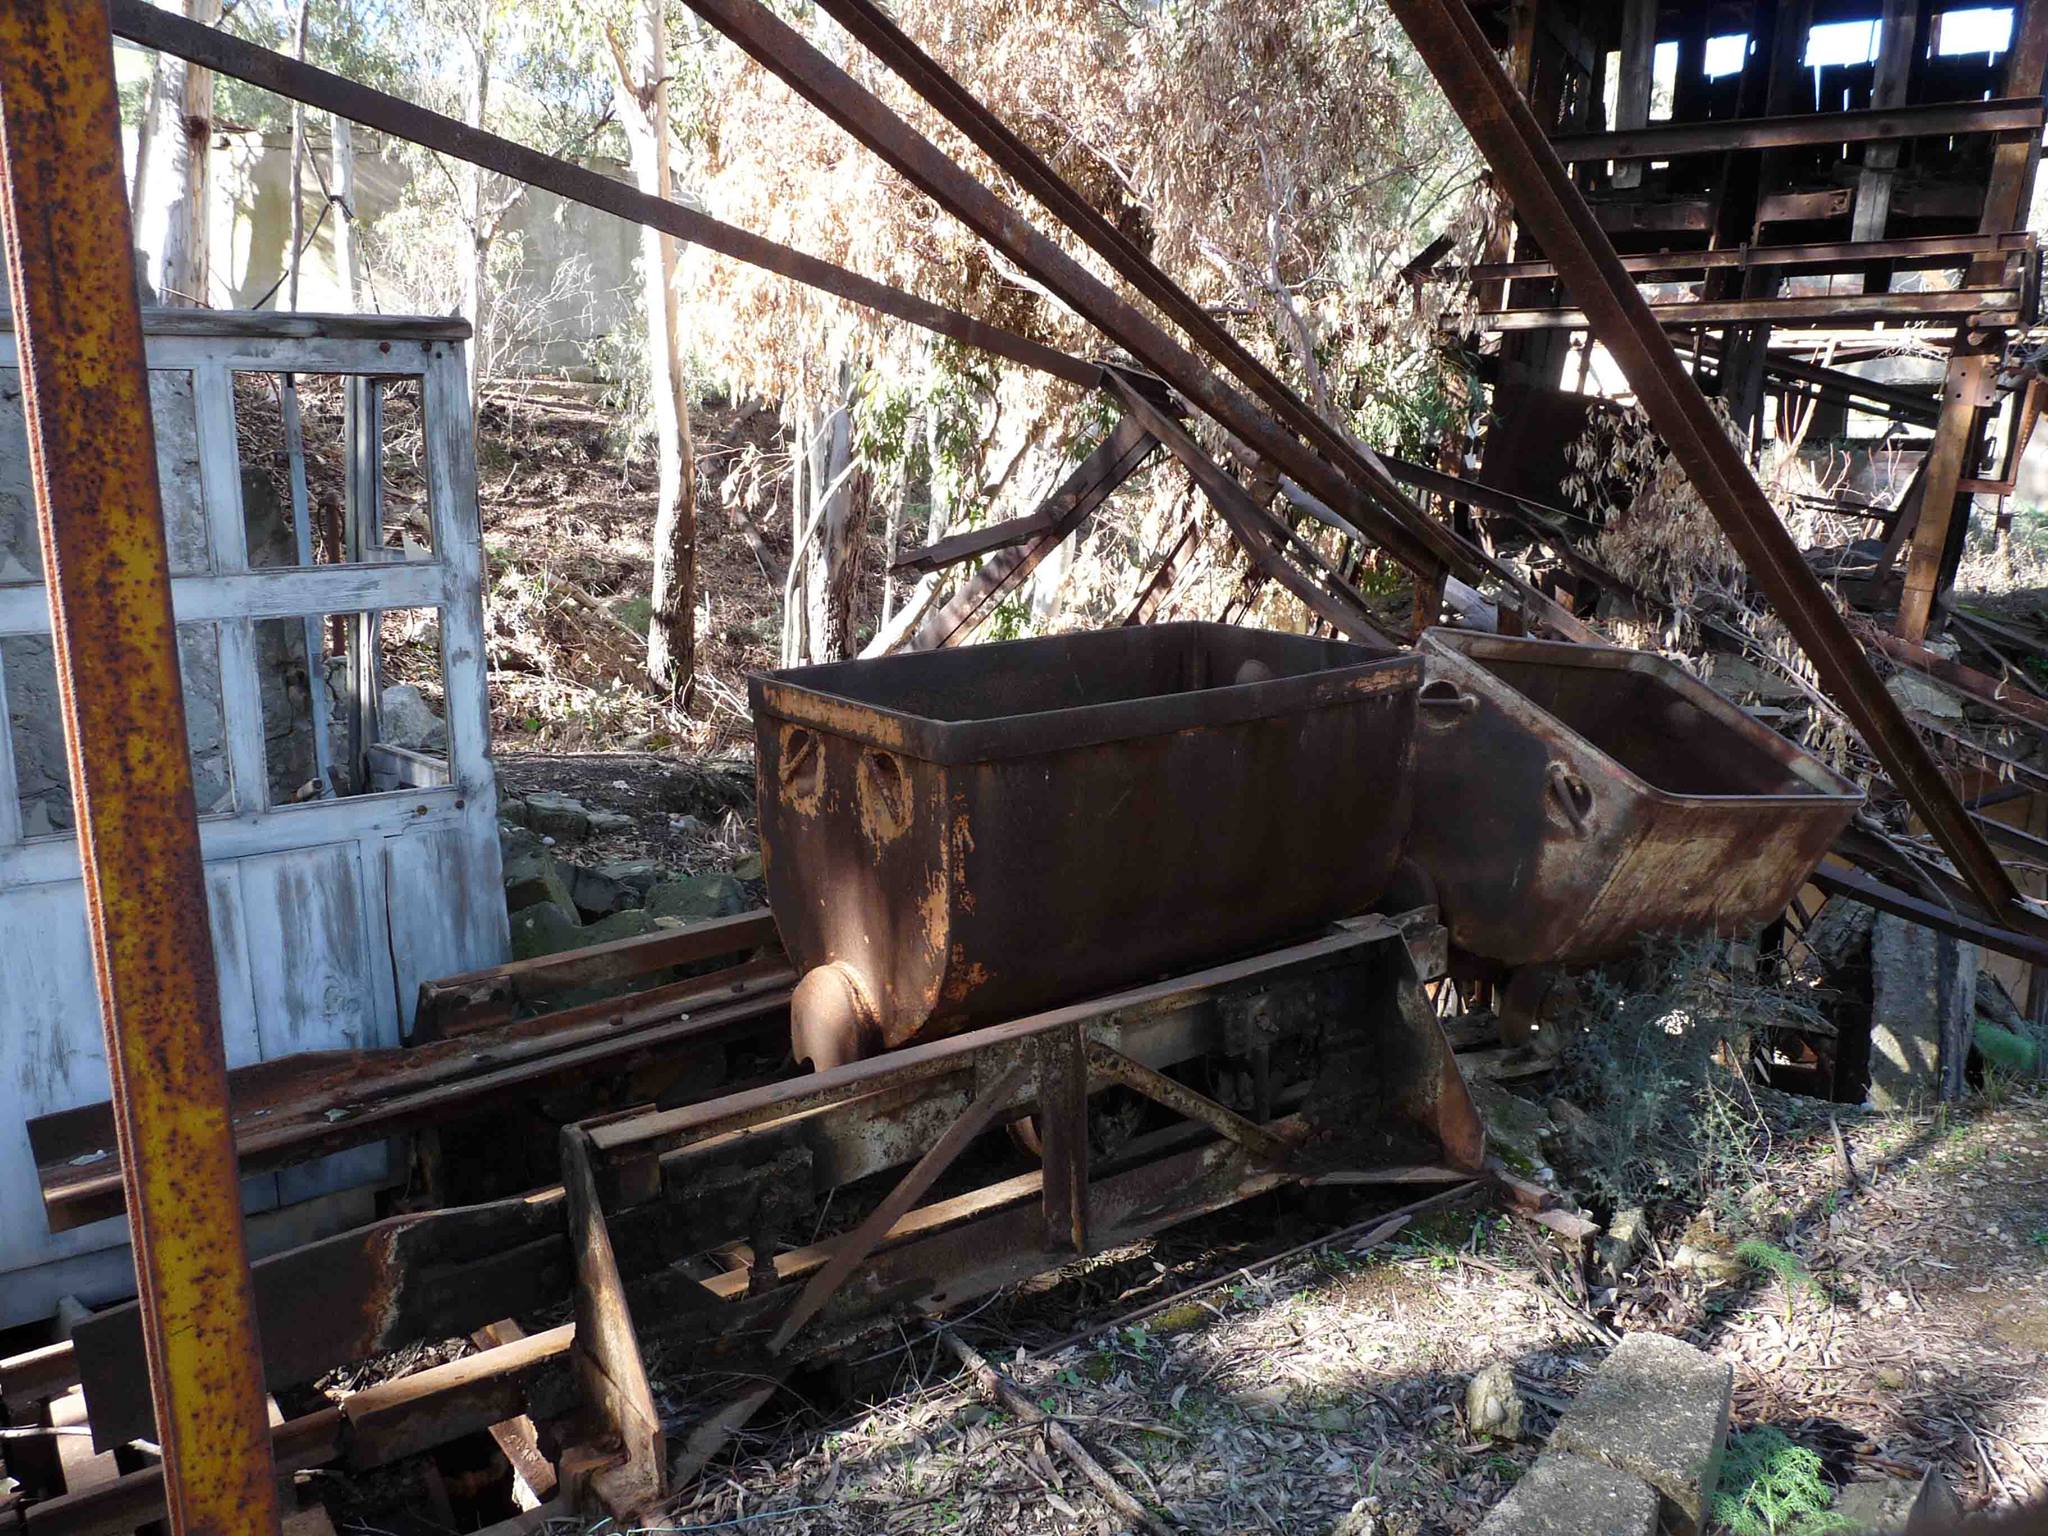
(998, 1388)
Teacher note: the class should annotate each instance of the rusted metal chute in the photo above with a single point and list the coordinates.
(92, 454)
(1531, 174)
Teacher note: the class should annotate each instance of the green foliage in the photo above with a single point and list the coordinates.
(2006, 1051)
(1773, 1487)
(1656, 1056)
(1790, 1269)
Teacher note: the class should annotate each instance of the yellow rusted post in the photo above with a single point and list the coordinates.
(92, 455)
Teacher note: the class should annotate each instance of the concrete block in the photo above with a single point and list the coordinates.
(1567, 1495)
(1657, 1409)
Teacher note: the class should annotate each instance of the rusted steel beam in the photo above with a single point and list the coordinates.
(342, 1099)
(853, 1249)
(1558, 218)
(1857, 886)
(214, 49)
(1258, 532)
(868, 23)
(1933, 120)
(429, 1275)
(1986, 690)
(476, 999)
(92, 457)
(1415, 539)
(1183, 1100)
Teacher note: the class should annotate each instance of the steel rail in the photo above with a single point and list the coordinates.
(1403, 530)
(1507, 133)
(92, 457)
(959, 106)
(145, 24)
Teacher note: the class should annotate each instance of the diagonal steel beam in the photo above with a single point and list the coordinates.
(140, 22)
(866, 21)
(92, 457)
(1545, 200)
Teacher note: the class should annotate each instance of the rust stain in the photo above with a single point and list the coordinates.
(92, 457)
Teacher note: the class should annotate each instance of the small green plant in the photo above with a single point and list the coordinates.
(2039, 1239)
(1793, 1275)
(1658, 1054)
(1773, 1487)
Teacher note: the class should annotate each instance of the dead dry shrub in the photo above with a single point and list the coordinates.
(1660, 1055)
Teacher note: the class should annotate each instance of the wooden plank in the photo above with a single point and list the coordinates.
(270, 324)
(977, 1118)
(1638, 68)
(1670, 141)
(960, 547)
(268, 594)
(1113, 461)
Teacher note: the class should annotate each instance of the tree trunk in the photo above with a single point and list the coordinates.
(640, 86)
(476, 250)
(342, 176)
(176, 226)
(841, 503)
(295, 251)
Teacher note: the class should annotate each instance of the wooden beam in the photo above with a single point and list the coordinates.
(1898, 30)
(1977, 305)
(1638, 65)
(1918, 251)
(1112, 462)
(1963, 396)
(1937, 120)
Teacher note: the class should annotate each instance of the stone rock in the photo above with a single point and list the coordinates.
(621, 925)
(1362, 1519)
(1914, 692)
(1656, 1409)
(598, 894)
(1709, 1254)
(515, 840)
(511, 808)
(1492, 1405)
(535, 878)
(1566, 1495)
(1923, 1004)
(1900, 1506)
(1616, 1248)
(751, 867)
(607, 822)
(557, 815)
(697, 896)
(640, 874)
(1515, 1128)
(544, 929)
(405, 719)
